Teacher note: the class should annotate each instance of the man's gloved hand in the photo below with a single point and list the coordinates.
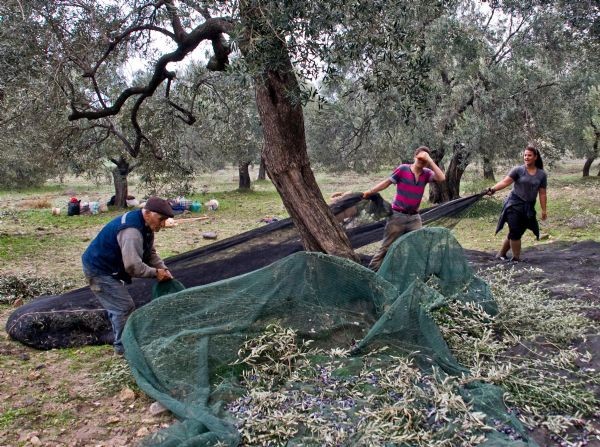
(489, 191)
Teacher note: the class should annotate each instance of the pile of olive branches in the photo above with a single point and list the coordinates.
(319, 397)
(527, 349)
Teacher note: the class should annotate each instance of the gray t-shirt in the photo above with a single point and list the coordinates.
(526, 186)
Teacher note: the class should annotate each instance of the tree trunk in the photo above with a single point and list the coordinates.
(588, 162)
(587, 165)
(120, 173)
(449, 189)
(285, 154)
(438, 192)
(244, 184)
(261, 170)
(288, 166)
(488, 169)
(596, 140)
(455, 171)
(120, 182)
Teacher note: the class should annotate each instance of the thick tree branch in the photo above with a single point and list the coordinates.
(178, 29)
(139, 135)
(210, 30)
(120, 38)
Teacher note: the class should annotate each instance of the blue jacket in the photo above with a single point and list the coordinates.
(103, 256)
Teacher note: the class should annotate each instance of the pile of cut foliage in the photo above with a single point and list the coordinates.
(293, 391)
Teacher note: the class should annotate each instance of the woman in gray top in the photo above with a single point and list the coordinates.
(519, 208)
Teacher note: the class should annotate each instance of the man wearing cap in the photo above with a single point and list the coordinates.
(123, 249)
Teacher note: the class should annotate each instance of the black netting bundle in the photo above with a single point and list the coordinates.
(76, 318)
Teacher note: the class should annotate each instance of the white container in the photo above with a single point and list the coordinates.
(94, 207)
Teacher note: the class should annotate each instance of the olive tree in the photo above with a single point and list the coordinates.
(275, 42)
(227, 127)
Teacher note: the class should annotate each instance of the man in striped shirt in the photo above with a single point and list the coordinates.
(410, 181)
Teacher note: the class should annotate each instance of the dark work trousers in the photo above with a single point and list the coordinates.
(115, 298)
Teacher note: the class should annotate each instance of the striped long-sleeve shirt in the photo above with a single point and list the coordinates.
(409, 190)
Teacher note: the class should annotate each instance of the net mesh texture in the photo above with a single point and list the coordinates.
(183, 347)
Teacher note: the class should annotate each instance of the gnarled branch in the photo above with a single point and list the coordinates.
(209, 30)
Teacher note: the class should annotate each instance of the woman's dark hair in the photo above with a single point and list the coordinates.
(538, 161)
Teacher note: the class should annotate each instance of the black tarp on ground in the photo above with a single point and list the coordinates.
(76, 318)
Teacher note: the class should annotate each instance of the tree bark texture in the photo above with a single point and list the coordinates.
(441, 192)
(488, 169)
(596, 140)
(438, 192)
(455, 171)
(261, 170)
(288, 166)
(587, 165)
(449, 189)
(588, 162)
(244, 173)
(120, 173)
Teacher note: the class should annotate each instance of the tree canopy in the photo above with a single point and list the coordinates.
(470, 79)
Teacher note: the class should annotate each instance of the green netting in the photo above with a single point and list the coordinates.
(166, 287)
(182, 346)
(436, 254)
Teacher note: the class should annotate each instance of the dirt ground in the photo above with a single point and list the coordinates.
(70, 397)
(566, 270)
(53, 397)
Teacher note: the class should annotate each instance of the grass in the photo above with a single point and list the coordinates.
(43, 219)
(11, 415)
(27, 246)
(82, 384)
(49, 188)
(35, 240)
(29, 235)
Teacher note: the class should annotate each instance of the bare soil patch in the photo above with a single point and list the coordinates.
(566, 269)
(60, 398)
(53, 398)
